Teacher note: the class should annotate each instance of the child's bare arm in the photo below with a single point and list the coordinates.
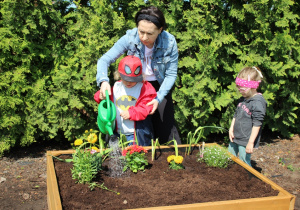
(231, 135)
(254, 133)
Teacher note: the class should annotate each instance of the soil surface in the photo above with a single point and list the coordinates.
(23, 172)
(160, 186)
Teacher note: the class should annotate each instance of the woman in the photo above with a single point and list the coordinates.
(158, 52)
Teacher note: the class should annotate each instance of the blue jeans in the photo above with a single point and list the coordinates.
(240, 150)
(144, 131)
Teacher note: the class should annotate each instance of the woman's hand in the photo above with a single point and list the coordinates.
(104, 86)
(154, 102)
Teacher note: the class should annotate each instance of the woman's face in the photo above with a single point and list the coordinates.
(148, 32)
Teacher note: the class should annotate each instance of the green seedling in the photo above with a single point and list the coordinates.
(290, 167)
(101, 143)
(153, 146)
(198, 134)
(63, 160)
(95, 184)
(175, 162)
(281, 161)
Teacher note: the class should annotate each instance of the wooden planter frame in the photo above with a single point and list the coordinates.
(284, 200)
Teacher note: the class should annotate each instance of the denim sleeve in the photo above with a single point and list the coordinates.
(109, 57)
(170, 73)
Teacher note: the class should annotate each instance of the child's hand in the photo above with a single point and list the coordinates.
(231, 135)
(249, 147)
(125, 115)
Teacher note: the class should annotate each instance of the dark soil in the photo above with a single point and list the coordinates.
(23, 173)
(160, 186)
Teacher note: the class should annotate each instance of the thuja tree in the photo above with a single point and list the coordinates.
(91, 31)
(29, 33)
(272, 42)
(49, 55)
(219, 39)
(48, 61)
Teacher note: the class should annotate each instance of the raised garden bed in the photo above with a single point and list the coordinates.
(250, 190)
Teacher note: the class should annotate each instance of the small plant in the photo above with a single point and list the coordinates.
(215, 156)
(95, 184)
(101, 143)
(153, 146)
(291, 167)
(135, 158)
(281, 161)
(86, 164)
(86, 160)
(175, 161)
(193, 138)
(124, 143)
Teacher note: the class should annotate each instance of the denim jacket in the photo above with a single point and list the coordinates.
(164, 59)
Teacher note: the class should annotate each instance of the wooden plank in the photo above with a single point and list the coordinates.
(282, 192)
(268, 203)
(53, 196)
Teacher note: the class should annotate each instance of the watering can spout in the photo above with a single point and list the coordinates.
(106, 115)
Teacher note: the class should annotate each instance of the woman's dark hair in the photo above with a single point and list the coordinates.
(152, 14)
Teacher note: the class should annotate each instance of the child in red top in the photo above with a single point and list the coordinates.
(130, 96)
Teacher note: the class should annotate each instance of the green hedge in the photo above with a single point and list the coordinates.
(49, 55)
(218, 39)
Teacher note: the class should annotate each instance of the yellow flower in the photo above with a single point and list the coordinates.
(170, 158)
(178, 159)
(91, 130)
(94, 148)
(78, 142)
(86, 131)
(92, 138)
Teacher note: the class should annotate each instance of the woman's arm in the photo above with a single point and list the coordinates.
(170, 73)
(109, 57)
(104, 62)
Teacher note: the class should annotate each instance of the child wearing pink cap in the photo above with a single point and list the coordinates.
(245, 129)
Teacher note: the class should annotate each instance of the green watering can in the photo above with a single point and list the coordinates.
(106, 115)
